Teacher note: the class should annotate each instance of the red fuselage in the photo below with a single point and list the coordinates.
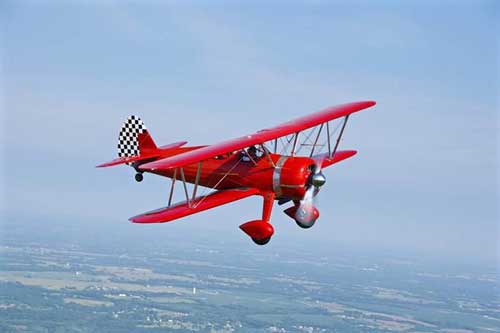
(288, 179)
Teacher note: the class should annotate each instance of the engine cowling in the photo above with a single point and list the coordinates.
(290, 177)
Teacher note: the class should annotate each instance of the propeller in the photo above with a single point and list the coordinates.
(306, 213)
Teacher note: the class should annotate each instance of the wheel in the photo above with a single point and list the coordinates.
(261, 241)
(139, 177)
(305, 226)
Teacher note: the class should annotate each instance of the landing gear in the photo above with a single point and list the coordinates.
(260, 231)
(305, 225)
(261, 241)
(139, 177)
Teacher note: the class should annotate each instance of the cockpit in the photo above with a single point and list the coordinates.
(253, 153)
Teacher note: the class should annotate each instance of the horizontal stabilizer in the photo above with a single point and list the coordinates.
(199, 204)
(144, 155)
(131, 159)
(174, 145)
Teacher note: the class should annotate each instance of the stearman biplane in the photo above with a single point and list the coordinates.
(282, 163)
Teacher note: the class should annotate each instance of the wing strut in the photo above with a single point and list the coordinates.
(172, 188)
(328, 138)
(339, 137)
(250, 157)
(197, 180)
(316, 140)
(185, 187)
(295, 143)
(192, 201)
(267, 155)
(189, 199)
(218, 183)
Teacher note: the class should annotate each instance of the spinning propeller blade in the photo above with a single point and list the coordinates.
(306, 213)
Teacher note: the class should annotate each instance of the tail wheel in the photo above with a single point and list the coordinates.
(139, 177)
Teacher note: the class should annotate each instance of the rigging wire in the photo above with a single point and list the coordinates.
(332, 133)
(218, 183)
(306, 140)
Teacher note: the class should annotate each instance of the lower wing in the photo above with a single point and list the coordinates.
(197, 205)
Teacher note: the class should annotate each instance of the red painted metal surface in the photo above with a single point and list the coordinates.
(258, 137)
(123, 160)
(153, 154)
(212, 200)
(146, 143)
(173, 145)
(290, 211)
(267, 208)
(339, 156)
(294, 174)
(148, 151)
(258, 229)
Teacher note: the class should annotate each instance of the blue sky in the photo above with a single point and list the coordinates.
(425, 179)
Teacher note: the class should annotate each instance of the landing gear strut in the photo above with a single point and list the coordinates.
(261, 231)
(139, 177)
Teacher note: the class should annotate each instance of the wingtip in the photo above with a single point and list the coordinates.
(359, 105)
(370, 103)
(135, 219)
(107, 164)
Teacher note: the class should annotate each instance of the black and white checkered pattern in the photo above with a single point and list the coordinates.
(128, 144)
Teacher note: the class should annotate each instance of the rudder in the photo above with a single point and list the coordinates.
(134, 138)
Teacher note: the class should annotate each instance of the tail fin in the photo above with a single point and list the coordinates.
(134, 144)
(134, 138)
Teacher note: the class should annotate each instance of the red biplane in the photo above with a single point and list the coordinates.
(281, 163)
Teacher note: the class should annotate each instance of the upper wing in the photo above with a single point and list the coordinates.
(261, 136)
(199, 204)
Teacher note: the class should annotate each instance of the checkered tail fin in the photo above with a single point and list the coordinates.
(134, 138)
